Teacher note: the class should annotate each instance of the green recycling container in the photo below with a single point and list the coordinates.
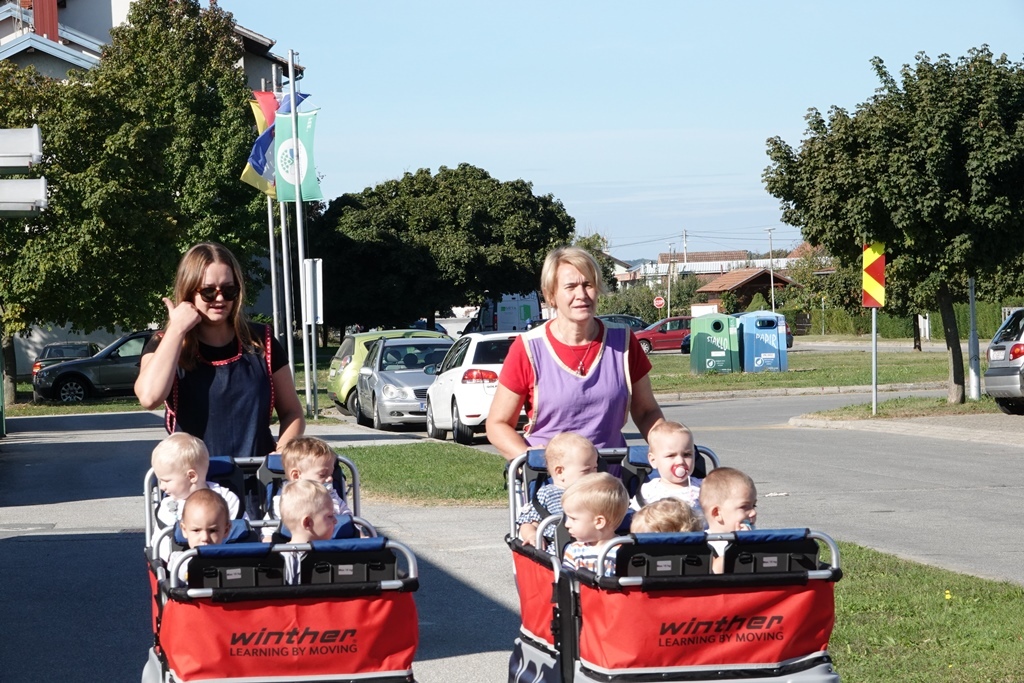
(714, 344)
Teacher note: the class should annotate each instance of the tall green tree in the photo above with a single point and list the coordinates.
(597, 245)
(931, 166)
(425, 242)
(142, 156)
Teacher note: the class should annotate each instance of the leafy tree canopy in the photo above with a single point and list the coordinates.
(931, 166)
(425, 242)
(597, 245)
(142, 156)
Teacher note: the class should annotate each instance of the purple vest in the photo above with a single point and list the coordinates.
(595, 405)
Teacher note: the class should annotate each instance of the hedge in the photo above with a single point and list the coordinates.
(989, 317)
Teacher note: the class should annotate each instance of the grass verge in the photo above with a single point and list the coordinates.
(671, 372)
(902, 621)
(430, 472)
(911, 407)
(895, 620)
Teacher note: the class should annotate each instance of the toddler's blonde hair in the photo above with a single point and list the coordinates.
(183, 452)
(303, 498)
(601, 494)
(668, 515)
(210, 500)
(303, 450)
(564, 444)
(720, 484)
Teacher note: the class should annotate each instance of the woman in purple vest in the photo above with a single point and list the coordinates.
(220, 377)
(574, 373)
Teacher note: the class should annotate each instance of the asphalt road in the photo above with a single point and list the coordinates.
(71, 518)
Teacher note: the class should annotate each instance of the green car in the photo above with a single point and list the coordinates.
(344, 369)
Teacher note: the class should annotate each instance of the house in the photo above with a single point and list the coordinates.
(744, 283)
(57, 36)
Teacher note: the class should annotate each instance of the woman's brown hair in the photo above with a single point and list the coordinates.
(187, 282)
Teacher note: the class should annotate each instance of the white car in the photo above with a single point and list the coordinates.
(461, 395)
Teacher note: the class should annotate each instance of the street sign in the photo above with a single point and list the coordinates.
(873, 295)
(659, 302)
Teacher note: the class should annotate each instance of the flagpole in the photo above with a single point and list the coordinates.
(286, 249)
(310, 377)
(270, 229)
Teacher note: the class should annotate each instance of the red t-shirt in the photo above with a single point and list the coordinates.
(517, 373)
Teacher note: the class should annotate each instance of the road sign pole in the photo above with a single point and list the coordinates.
(874, 361)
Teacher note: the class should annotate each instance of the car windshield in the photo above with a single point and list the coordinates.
(1011, 329)
(491, 352)
(654, 325)
(412, 355)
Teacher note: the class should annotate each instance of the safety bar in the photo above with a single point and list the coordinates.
(412, 567)
(556, 560)
(815, 574)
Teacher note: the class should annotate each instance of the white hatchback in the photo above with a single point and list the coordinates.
(461, 395)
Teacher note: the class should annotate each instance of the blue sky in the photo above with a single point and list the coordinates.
(644, 118)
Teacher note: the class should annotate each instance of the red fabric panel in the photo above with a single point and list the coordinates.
(44, 18)
(704, 627)
(312, 636)
(534, 582)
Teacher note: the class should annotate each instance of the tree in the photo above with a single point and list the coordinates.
(424, 243)
(142, 156)
(931, 167)
(598, 246)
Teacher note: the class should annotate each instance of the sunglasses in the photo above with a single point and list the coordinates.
(209, 294)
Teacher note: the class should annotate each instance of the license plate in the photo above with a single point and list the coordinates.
(997, 354)
(423, 407)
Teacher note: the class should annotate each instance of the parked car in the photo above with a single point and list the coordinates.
(421, 324)
(684, 346)
(667, 333)
(465, 381)
(344, 367)
(1003, 379)
(58, 352)
(111, 372)
(392, 384)
(631, 321)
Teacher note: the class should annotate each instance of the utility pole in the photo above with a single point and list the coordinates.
(771, 265)
(671, 255)
(684, 250)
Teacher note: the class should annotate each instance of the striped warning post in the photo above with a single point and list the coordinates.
(874, 275)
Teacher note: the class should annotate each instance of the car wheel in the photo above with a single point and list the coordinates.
(378, 423)
(646, 346)
(72, 390)
(432, 431)
(352, 403)
(1010, 406)
(460, 432)
(360, 418)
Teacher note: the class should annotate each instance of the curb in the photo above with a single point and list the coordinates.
(797, 391)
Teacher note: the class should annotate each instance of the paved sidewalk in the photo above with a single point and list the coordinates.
(991, 428)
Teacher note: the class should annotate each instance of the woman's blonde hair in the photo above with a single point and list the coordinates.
(668, 515)
(580, 259)
(189, 280)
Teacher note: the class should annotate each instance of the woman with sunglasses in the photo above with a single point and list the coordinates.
(219, 376)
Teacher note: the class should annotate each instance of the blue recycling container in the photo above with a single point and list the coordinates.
(763, 342)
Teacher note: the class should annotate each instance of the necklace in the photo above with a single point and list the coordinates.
(582, 367)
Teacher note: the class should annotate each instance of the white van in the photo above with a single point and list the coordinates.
(509, 314)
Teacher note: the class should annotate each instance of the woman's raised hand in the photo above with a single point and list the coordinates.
(184, 316)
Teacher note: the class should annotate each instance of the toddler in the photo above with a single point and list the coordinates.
(180, 463)
(729, 499)
(568, 457)
(312, 459)
(666, 516)
(593, 507)
(307, 509)
(671, 453)
(205, 520)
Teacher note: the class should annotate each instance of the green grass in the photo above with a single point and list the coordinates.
(434, 473)
(895, 621)
(671, 372)
(898, 408)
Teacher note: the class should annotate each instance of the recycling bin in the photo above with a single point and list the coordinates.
(763, 342)
(714, 344)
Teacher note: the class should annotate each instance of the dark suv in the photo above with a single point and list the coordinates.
(58, 352)
(111, 372)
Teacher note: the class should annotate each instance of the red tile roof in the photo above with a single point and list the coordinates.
(735, 278)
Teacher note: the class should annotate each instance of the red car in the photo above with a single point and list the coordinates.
(666, 334)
